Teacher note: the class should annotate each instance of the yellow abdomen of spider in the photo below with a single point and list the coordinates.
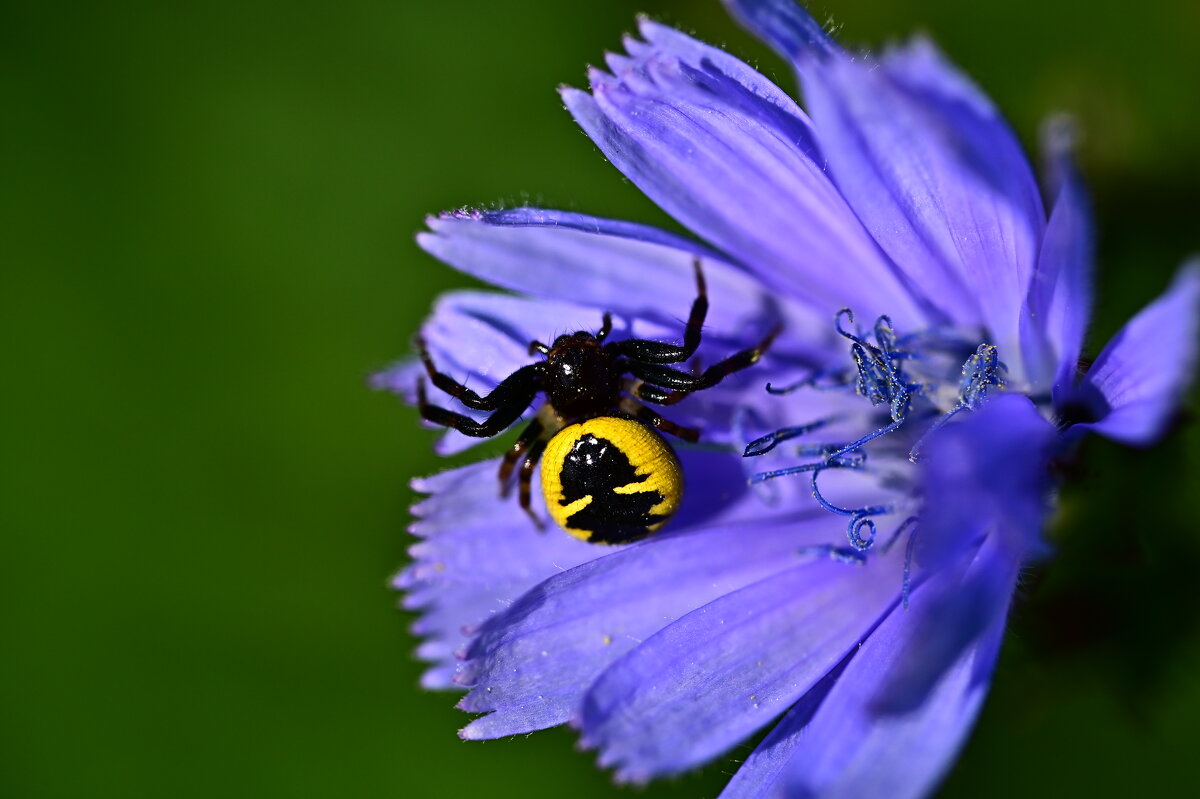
(610, 480)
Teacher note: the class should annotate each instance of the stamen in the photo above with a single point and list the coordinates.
(764, 476)
(982, 372)
(855, 532)
(879, 374)
(883, 431)
(765, 444)
(909, 548)
(840, 554)
(859, 517)
(914, 454)
(813, 381)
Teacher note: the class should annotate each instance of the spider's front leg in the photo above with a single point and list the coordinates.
(509, 399)
(509, 389)
(673, 384)
(647, 351)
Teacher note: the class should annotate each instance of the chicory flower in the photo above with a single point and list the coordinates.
(849, 583)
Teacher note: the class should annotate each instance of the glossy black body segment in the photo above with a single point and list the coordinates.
(594, 468)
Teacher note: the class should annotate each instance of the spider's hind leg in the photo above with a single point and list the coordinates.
(528, 436)
(524, 493)
(636, 409)
(674, 380)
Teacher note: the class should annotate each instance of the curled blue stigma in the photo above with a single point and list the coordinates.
(909, 375)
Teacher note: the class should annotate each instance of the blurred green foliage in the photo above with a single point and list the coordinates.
(208, 212)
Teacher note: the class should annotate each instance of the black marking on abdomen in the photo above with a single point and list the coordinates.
(596, 466)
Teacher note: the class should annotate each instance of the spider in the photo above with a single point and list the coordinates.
(607, 475)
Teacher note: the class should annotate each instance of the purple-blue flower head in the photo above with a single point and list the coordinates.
(841, 568)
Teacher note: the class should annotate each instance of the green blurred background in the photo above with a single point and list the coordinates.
(208, 212)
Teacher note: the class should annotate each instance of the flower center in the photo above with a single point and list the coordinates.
(915, 383)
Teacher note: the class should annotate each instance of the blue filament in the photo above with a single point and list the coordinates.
(982, 372)
(765, 444)
(880, 358)
(764, 476)
(880, 376)
(914, 454)
(883, 431)
(840, 554)
(909, 548)
(813, 381)
(854, 532)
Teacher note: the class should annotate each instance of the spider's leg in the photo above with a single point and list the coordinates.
(659, 396)
(511, 387)
(640, 349)
(668, 378)
(637, 409)
(527, 466)
(530, 434)
(536, 347)
(605, 327)
(520, 391)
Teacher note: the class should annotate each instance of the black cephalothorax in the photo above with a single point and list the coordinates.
(584, 376)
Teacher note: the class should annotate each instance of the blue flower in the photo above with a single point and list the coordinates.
(935, 312)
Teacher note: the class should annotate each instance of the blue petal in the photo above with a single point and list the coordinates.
(629, 269)
(985, 475)
(530, 666)
(936, 176)
(962, 604)
(784, 25)
(1137, 382)
(477, 554)
(985, 483)
(529, 216)
(712, 678)
(924, 160)
(713, 69)
(735, 164)
(1060, 293)
(832, 744)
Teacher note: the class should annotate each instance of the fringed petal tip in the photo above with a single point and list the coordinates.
(477, 554)
(606, 760)
(1058, 136)
(730, 154)
(1137, 383)
(400, 378)
(403, 580)
(577, 266)
(471, 732)
(936, 176)
(784, 25)
(920, 64)
(465, 212)
(436, 678)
